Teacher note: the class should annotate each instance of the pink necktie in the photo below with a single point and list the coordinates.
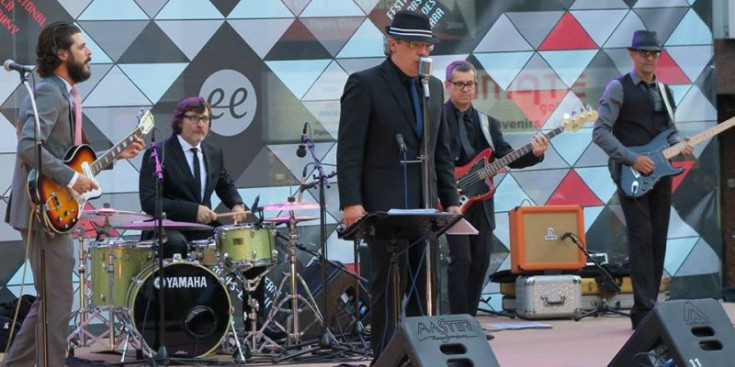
(77, 116)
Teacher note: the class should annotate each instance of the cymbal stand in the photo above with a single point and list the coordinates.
(82, 271)
(293, 337)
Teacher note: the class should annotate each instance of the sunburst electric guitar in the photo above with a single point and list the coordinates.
(62, 205)
(635, 184)
(475, 177)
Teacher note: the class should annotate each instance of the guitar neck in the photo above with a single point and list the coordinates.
(511, 157)
(106, 159)
(675, 149)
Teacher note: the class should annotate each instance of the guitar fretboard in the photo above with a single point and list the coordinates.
(106, 159)
(492, 168)
(675, 149)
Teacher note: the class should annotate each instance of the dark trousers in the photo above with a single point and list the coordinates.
(647, 221)
(383, 326)
(469, 258)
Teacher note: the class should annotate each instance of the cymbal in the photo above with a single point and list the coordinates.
(285, 219)
(290, 206)
(166, 223)
(112, 215)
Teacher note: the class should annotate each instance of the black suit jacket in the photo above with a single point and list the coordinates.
(500, 149)
(376, 107)
(180, 199)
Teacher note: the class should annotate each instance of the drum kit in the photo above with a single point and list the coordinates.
(119, 287)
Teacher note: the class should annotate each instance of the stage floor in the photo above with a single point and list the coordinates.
(591, 342)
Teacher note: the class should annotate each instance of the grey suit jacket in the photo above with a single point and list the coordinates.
(54, 112)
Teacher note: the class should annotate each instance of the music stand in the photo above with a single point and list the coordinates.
(415, 226)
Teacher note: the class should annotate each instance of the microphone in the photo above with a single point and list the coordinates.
(301, 151)
(12, 65)
(426, 65)
(401, 143)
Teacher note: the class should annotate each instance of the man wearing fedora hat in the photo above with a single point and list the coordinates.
(633, 110)
(377, 105)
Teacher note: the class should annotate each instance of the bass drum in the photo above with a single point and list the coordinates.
(197, 308)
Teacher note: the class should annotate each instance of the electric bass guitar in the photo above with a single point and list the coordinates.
(62, 205)
(475, 177)
(635, 184)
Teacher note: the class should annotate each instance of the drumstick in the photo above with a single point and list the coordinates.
(232, 214)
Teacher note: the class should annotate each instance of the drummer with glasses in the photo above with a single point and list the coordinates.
(192, 170)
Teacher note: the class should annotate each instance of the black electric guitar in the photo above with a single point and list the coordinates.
(475, 177)
(635, 184)
(63, 206)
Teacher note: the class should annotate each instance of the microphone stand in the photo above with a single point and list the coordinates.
(323, 181)
(426, 191)
(39, 209)
(161, 329)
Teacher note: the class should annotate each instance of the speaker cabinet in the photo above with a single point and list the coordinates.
(536, 238)
(682, 333)
(341, 300)
(438, 341)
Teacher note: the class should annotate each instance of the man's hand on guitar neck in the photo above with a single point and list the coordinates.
(84, 184)
(133, 149)
(686, 148)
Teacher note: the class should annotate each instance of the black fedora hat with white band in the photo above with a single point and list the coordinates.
(411, 26)
(645, 40)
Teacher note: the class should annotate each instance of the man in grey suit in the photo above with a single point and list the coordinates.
(62, 61)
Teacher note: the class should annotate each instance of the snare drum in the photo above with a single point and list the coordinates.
(246, 245)
(197, 308)
(128, 259)
(203, 252)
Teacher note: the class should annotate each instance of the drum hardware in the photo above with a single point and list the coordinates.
(293, 331)
(285, 219)
(255, 339)
(120, 330)
(320, 180)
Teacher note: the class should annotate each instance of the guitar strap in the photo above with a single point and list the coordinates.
(664, 95)
(485, 127)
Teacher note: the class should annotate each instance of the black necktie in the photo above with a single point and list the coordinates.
(464, 136)
(197, 174)
(416, 106)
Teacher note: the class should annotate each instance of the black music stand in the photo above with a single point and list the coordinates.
(415, 226)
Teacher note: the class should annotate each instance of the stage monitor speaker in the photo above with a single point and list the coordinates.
(536, 241)
(681, 333)
(438, 341)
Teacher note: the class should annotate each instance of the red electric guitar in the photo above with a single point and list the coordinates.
(475, 177)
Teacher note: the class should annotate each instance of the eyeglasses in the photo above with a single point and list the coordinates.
(198, 119)
(418, 45)
(646, 54)
(462, 85)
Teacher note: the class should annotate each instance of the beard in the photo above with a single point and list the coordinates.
(76, 70)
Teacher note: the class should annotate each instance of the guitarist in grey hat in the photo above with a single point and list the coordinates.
(633, 110)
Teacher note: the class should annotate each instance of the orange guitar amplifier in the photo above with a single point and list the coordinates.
(536, 238)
